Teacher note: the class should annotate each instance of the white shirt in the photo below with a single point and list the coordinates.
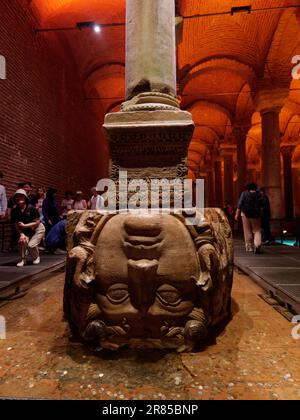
(3, 200)
(100, 203)
(93, 202)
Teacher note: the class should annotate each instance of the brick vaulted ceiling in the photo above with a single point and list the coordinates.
(222, 60)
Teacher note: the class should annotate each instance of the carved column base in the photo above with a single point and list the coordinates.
(147, 280)
(151, 142)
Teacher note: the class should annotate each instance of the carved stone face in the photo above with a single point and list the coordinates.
(145, 274)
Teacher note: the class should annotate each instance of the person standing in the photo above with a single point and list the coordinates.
(79, 202)
(27, 187)
(40, 196)
(29, 227)
(228, 210)
(3, 199)
(50, 210)
(266, 218)
(249, 207)
(67, 204)
(92, 204)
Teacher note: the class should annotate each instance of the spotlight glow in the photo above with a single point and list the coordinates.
(97, 29)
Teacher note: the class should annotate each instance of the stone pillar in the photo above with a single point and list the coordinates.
(149, 138)
(296, 189)
(240, 134)
(251, 175)
(211, 188)
(227, 153)
(269, 102)
(218, 184)
(271, 163)
(203, 175)
(287, 153)
(150, 47)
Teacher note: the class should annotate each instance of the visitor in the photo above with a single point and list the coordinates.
(3, 199)
(92, 204)
(228, 210)
(56, 238)
(27, 187)
(79, 202)
(29, 227)
(50, 210)
(266, 218)
(67, 204)
(249, 207)
(40, 196)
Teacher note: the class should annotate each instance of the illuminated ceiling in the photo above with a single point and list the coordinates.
(221, 61)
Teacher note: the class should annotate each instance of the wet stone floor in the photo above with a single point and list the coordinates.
(255, 357)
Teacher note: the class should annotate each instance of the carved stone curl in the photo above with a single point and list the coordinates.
(147, 280)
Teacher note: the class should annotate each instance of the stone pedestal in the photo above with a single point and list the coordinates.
(149, 143)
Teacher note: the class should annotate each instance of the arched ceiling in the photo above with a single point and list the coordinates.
(220, 61)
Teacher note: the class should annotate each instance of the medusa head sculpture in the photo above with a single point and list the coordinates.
(147, 280)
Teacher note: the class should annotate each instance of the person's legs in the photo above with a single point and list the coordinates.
(22, 245)
(256, 228)
(247, 234)
(36, 240)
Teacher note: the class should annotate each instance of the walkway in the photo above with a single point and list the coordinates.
(14, 281)
(276, 270)
(254, 358)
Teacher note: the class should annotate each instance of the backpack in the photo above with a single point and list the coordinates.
(252, 204)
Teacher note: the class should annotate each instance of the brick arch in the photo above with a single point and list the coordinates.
(225, 62)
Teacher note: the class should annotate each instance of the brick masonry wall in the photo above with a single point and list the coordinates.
(48, 133)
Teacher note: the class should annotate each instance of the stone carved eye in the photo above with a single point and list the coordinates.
(117, 293)
(168, 295)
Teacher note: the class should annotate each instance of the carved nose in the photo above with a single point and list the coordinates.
(142, 283)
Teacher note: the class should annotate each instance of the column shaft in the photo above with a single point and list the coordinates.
(228, 178)
(241, 163)
(288, 182)
(218, 184)
(211, 188)
(150, 47)
(271, 163)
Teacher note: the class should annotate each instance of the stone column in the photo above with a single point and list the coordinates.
(287, 153)
(218, 184)
(240, 134)
(251, 175)
(271, 163)
(269, 102)
(150, 47)
(227, 153)
(211, 187)
(296, 189)
(203, 175)
(149, 138)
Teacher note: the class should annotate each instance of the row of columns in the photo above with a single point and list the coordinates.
(221, 187)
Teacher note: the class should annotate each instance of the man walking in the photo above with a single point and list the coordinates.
(249, 207)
